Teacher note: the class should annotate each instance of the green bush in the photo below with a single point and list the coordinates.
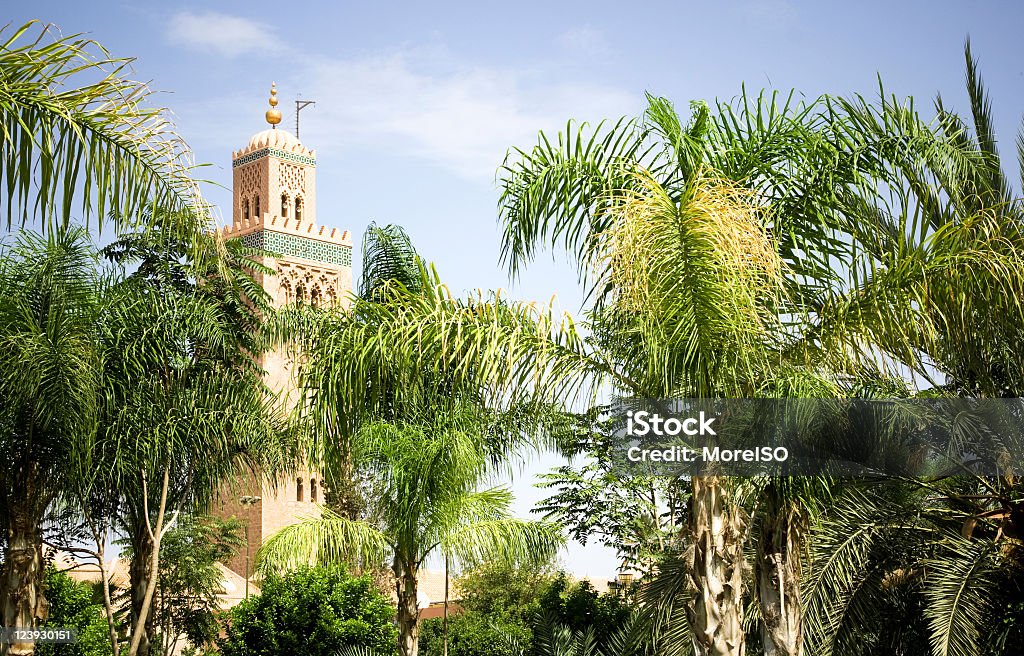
(578, 606)
(72, 606)
(472, 634)
(503, 604)
(311, 612)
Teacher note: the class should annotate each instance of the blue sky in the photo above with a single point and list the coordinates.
(417, 103)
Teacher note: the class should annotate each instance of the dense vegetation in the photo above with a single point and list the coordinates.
(311, 612)
(765, 248)
(500, 607)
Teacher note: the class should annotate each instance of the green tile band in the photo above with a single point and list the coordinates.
(274, 152)
(296, 246)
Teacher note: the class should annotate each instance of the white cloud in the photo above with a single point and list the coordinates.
(221, 33)
(464, 119)
(419, 103)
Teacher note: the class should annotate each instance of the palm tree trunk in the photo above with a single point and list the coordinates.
(715, 586)
(408, 608)
(445, 624)
(140, 569)
(24, 577)
(777, 572)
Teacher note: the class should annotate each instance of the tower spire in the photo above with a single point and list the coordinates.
(273, 114)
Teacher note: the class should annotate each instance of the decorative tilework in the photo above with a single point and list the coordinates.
(274, 152)
(295, 246)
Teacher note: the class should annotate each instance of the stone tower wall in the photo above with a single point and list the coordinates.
(314, 265)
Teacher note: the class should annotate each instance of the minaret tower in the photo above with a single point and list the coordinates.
(275, 209)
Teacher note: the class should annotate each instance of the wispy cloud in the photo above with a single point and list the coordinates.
(423, 103)
(221, 33)
(464, 119)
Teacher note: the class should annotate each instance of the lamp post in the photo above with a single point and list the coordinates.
(246, 502)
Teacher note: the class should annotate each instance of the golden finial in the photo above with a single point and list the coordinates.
(273, 114)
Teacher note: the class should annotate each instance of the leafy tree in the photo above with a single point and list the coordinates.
(72, 606)
(504, 606)
(186, 601)
(638, 516)
(311, 612)
(577, 606)
(50, 299)
(475, 634)
(498, 588)
(498, 602)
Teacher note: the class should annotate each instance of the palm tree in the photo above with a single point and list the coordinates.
(937, 268)
(50, 390)
(697, 281)
(423, 395)
(80, 135)
(186, 407)
(426, 480)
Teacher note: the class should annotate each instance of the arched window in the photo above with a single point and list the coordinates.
(314, 296)
(257, 203)
(312, 490)
(284, 206)
(245, 209)
(300, 293)
(299, 496)
(298, 209)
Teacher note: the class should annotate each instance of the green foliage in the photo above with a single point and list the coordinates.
(503, 589)
(72, 606)
(505, 607)
(388, 258)
(186, 599)
(311, 612)
(636, 515)
(474, 634)
(579, 607)
(78, 132)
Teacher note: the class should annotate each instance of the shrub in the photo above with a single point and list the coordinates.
(311, 612)
(72, 606)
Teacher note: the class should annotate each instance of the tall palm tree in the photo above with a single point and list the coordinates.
(698, 284)
(936, 272)
(422, 394)
(78, 137)
(50, 391)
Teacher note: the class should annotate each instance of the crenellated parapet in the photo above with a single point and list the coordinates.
(288, 226)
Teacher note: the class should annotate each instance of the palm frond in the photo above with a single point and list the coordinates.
(961, 595)
(78, 132)
(328, 539)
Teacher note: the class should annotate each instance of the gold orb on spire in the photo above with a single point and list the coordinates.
(273, 114)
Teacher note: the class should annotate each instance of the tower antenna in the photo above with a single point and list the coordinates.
(299, 106)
